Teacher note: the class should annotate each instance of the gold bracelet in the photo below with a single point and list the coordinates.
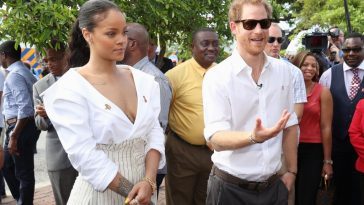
(151, 183)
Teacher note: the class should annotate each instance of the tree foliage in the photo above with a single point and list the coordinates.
(35, 22)
(324, 13)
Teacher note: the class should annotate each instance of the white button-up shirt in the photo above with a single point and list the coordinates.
(83, 118)
(233, 101)
(325, 79)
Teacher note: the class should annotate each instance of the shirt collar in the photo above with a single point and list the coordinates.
(139, 65)
(347, 67)
(14, 66)
(200, 70)
(239, 64)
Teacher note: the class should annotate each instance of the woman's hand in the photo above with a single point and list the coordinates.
(140, 194)
(327, 171)
(288, 179)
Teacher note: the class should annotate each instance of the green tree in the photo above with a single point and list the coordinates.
(35, 22)
(325, 13)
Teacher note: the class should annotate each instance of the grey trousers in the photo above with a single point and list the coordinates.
(220, 192)
(62, 182)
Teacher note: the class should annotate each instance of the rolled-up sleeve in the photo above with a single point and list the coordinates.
(156, 136)
(216, 106)
(22, 96)
(68, 113)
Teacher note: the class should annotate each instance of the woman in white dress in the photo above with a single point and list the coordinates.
(106, 115)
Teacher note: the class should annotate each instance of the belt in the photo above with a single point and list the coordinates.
(12, 121)
(250, 185)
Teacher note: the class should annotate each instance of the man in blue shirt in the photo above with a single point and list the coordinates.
(21, 133)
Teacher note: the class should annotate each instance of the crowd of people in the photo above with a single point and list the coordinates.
(256, 128)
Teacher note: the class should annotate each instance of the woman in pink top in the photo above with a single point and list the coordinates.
(314, 150)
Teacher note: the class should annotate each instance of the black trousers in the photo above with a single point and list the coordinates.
(220, 192)
(19, 169)
(362, 188)
(2, 182)
(309, 164)
(346, 179)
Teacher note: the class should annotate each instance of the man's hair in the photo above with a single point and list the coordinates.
(8, 47)
(206, 29)
(139, 33)
(236, 8)
(355, 35)
(277, 26)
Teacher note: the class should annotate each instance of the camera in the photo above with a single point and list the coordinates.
(315, 42)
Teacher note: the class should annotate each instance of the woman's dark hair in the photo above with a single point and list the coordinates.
(90, 13)
(301, 57)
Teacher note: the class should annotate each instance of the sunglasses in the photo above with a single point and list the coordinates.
(250, 24)
(355, 50)
(273, 39)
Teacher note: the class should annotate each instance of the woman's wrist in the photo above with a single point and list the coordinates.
(125, 186)
(328, 161)
(151, 182)
(292, 173)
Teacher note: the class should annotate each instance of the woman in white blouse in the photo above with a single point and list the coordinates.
(106, 115)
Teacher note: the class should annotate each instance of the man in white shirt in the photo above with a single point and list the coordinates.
(243, 95)
(273, 49)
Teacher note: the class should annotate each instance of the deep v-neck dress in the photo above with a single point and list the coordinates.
(99, 138)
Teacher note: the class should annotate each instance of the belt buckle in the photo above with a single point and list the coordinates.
(255, 186)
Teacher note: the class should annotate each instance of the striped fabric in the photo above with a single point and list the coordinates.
(130, 156)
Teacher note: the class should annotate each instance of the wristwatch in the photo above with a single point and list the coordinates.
(328, 161)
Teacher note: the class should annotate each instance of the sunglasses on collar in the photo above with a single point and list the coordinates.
(250, 24)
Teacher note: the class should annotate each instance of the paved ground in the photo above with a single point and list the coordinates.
(43, 191)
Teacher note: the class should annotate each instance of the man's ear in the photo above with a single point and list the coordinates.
(233, 27)
(133, 44)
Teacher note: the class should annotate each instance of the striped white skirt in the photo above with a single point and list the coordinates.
(130, 156)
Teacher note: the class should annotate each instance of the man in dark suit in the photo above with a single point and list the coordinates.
(346, 84)
(61, 173)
